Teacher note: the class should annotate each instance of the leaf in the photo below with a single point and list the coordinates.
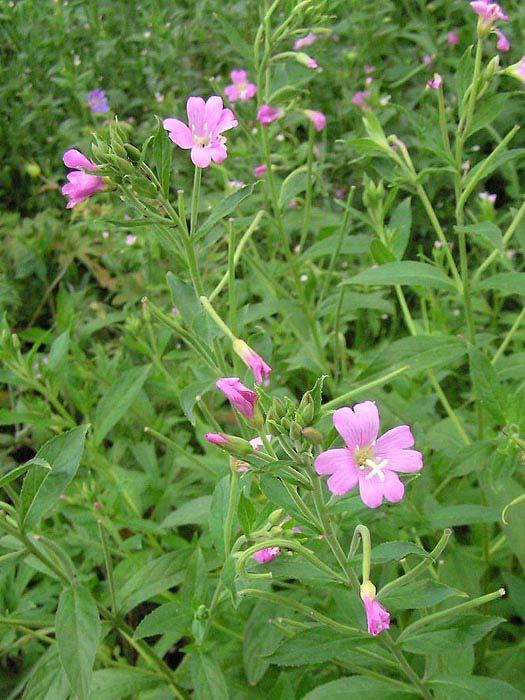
(380, 253)
(218, 511)
(31, 487)
(174, 617)
(155, 577)
(189, 396)
(464, 74)
(359, 688)
(184, 298)
(356, 244)
(228, 205)
(474, 688)
(482, 170)
(292, 185)
(487, 111)
(394, 551)
(486, 231)
(454, 516)
(207, 678)
(58, 353)
(446, 637)
(22, 469)
(194, 512)
(313, 646)
(401, 223)
(120, 683)
(406, 272)
(63, 453)
(47, 680)
(77, 630)
(162, 150)
(487, 387)
(505, 282)
(424, 593)
(117, 400)
(260, 639)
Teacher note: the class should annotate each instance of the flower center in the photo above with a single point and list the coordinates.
(368, 462)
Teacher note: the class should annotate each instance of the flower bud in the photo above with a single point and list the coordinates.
(275, 516)
(233, 445)
(313, 435)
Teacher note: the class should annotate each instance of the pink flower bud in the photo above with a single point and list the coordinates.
(503, 42)
(377, 617)
(261, 371)
(80, 184)
(238, 395)
(266, 555)
(268, 114)
(435, 83)
(318, 119)
(260, 170)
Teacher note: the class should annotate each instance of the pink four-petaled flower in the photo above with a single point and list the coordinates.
(203, 135)
(367, 460)
(240, 89)
(80, 184)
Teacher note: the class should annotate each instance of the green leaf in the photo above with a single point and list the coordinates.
(406, 272)
(380, 253)
(47, 680)
(394, 551)
(464, 74)
(454, 516)
(449, 635)
(357, 244)
(117, 400)
(207, 678)
(155, 577)
(260, 639)
(424, 593)
(218, 511)
(224, 208)
(246, 513)
(487, 387)
(63, 453)
(359, 688)
(473, 688)
(58, 353)
(120, 683)
(22, 469)
(184, 298)
(401, 224)
(174, 617)
(189, 395)
(162, 150)
(482, 170)
(194, 512)
(77, 631)
(313, 646)
(505, 282)
(486, 231)
(292, 185)
(31, 487)
(487, 111)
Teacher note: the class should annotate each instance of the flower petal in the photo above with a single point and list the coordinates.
(393, 487)
(358, 426)
(179, 133)
(75, 159)
(238, 76)
(212, 112)
(226, 121)
(371, 491)
(331, 461)
(201, 157)
(231, 92)
(397, 438)
(218, 152)
(402, 460)
(342, 481)
(195, 107)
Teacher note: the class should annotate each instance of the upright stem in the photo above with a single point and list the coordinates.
(405, 666)
(309, 186)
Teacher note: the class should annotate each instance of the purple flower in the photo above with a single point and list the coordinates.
(453, 38)
(266, 555)
(203, 135)
(80, 184)
(238, 395)
(260, 170)
(318, 119)
(97, 100)
(367, 460)
(377, 617)
(435, 83)
(488, 12)
(268, 114)
(261, 371)
(360, 99)
(307, 40)
(503, 42)
(240, 89)
(216, 438)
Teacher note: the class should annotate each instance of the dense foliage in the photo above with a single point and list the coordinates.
(350, 236)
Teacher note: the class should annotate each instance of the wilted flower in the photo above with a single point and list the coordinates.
(97, 101)
(260, 170)
(367, 460)
(240, 396)
(318, 119)
(240, 89)
(81, 185)
(503, 43)
(268, 114)
(453, 38)
(266, 555)
(435, 83)
(377, 617)
(207, 121)
(261, 371)
(307, 40)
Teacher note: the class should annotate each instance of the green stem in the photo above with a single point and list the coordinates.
(364, 533)
(309, 185)
(509, 336)
(195, 196)
(516, 221)
(109, 567)
(344, 398)
(230, 514)
(405, 666)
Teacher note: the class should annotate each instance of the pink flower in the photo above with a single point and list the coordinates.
(360, 99)
(240, 89)
(216, 438)
(488, 197)
(238, 395)
(318, 119)
(453, 38)
(428, 59)
(268, 114)
(312, 63)
(207, 121)
(488, 12)
(261, 371)
(260, 170)
(97, 101)
(435, 83)
(131, 239)
(377, 617)
(307, 40)
(367, 460)
(503, 42)
(517, 70)
(266, 555)
(80, 185)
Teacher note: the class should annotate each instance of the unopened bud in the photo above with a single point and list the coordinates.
(275, 516)
(313, 435)
(295, 430)
(307, 408)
